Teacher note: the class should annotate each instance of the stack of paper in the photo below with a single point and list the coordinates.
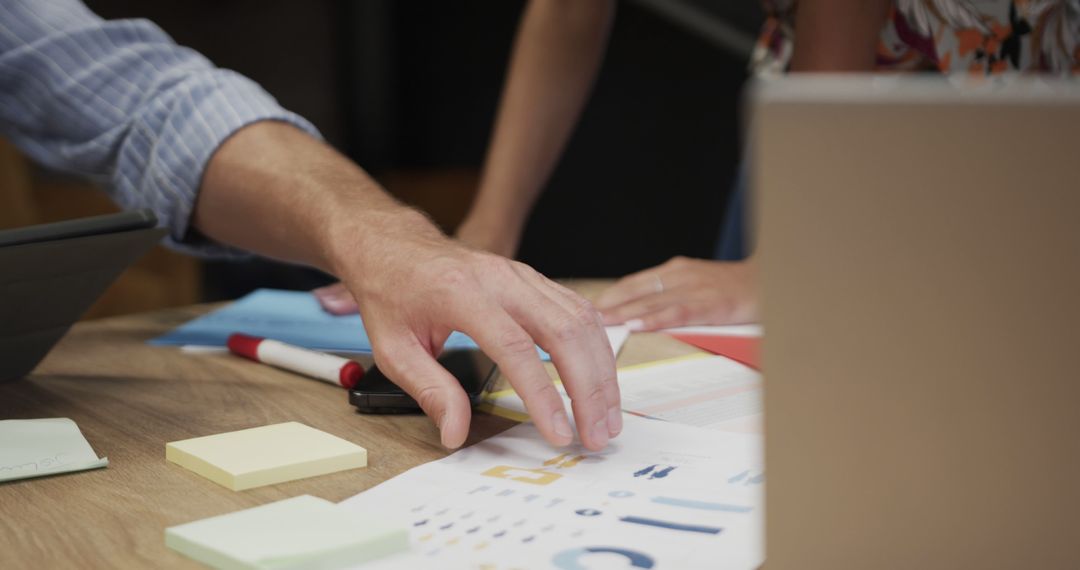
(301, 532)
(34, 448)
(266, 455)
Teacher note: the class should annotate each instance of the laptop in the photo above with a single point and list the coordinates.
(920, 248)
(50, 275)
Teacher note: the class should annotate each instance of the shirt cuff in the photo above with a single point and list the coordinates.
(213, 108)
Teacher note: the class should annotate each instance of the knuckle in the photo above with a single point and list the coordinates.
(545, 391)
(516, 343)
(585, 313)
(453, 279)
(569, 329)
(429, 398)
(497, 265)
(595, 395)
(521, 267)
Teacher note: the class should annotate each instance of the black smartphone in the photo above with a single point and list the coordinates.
(377, 394)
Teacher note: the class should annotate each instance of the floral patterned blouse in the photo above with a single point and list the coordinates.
(980, 36)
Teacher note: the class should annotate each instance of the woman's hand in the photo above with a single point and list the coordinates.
(682, 292)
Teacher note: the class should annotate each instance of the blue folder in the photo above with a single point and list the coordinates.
(293, 317)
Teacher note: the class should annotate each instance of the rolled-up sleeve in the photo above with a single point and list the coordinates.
(120, 103)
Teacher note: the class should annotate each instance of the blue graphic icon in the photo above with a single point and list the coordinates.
(671, 525)
(572, 559)
(653, 472)
(747, 479)
(587, 512)
(701, 505)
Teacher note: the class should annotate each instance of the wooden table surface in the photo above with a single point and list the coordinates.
(129, 399)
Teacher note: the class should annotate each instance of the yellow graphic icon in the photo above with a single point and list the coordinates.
(564, 461)
(522, 475)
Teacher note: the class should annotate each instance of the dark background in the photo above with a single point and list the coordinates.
(409, 88)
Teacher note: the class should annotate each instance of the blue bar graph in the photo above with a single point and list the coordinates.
(672, 526)
(701, 505)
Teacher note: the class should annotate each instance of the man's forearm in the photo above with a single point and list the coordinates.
(559, 47)
(274, 190)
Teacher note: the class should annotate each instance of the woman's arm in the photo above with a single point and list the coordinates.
(558, 50)
(837, 35)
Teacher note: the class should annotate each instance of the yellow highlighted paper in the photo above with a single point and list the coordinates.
(301, 532)
(266, 455)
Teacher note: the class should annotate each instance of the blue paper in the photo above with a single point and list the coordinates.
(293, 317)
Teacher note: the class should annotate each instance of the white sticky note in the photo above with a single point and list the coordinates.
(301, 532)
(34, 448)
(266, 455)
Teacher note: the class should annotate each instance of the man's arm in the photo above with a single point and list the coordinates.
(277, 191)
(162, 128)
(559, 47)
(120, 103)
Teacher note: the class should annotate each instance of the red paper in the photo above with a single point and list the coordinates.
(744, 349)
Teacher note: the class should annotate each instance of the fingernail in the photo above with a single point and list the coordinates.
(614, 421)
(561, 424)
(599, 433)
(635, 324)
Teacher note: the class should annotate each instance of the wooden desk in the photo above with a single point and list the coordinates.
(130, 398)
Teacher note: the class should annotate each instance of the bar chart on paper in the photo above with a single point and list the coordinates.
(658, 497)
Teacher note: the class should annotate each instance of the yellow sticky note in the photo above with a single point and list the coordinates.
(301, 532)
(266, 455)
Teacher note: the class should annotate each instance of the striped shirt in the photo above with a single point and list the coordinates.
(118, 102)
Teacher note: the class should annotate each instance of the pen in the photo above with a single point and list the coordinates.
(325, 367)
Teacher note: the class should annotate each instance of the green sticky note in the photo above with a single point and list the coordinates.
(301, 532)
(35, 448)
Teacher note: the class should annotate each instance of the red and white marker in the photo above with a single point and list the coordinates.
(326, 367)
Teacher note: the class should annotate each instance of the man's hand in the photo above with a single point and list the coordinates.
(683, 292)
(414, 287)
(497, 238)
(274, 190)
(336, 298)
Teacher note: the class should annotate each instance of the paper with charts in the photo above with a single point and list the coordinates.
(662, 495)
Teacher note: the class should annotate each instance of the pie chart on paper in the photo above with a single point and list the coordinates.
(574, 558)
